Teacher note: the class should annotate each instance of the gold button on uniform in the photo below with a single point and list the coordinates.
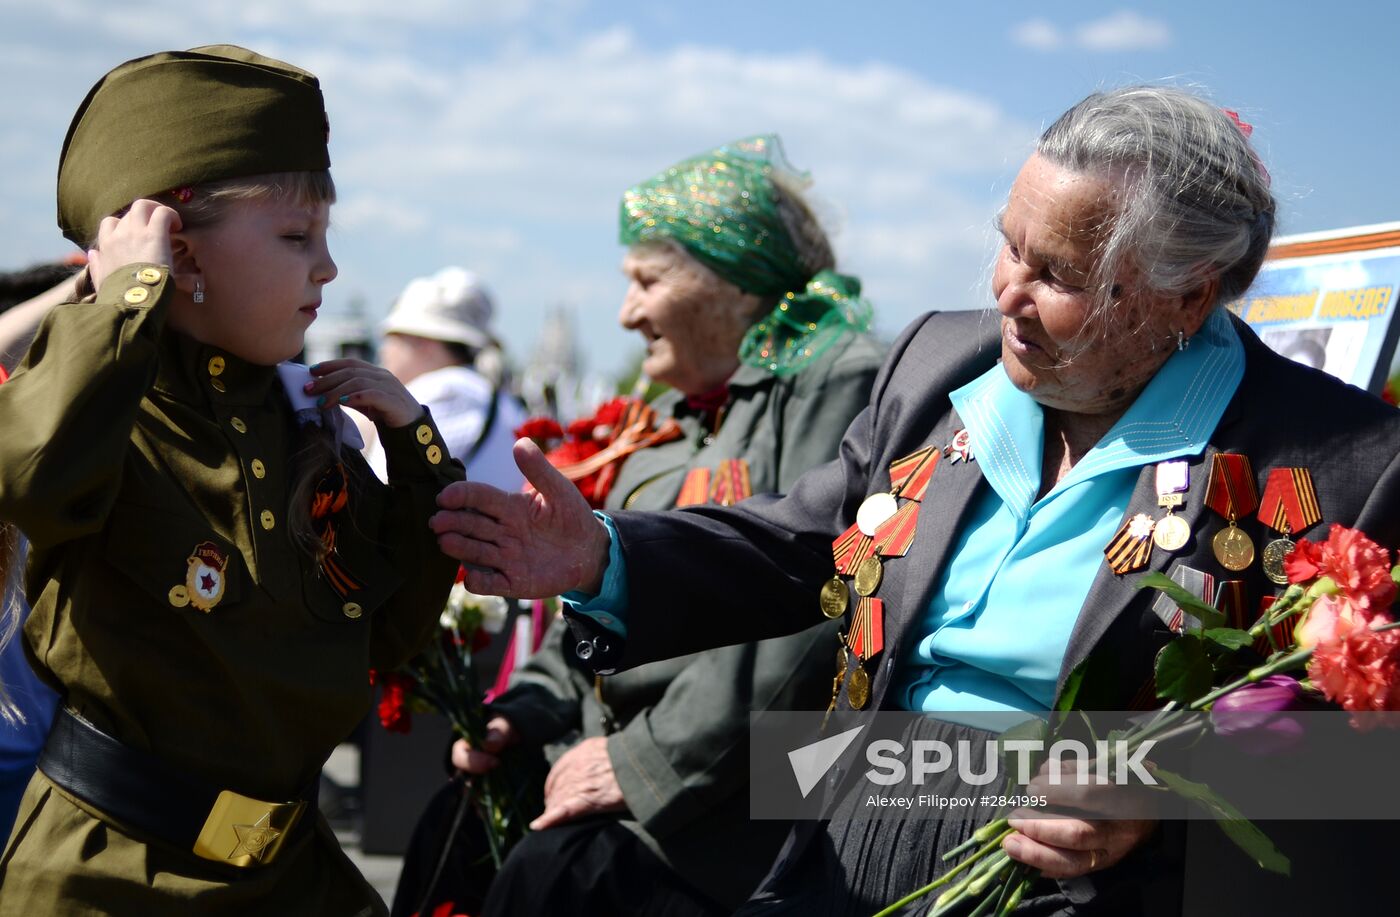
(259, 469)
(136, 295)
(216, 366)
(424, 434)
(238, 424)
(268, 520)
(434, 454)
(217, 385)
(148, 275)
(352, 610)
(179, 596)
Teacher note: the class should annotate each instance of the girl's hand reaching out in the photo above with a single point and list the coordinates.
(369, 389)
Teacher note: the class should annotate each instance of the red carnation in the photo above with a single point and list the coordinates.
(611, 412)
(1359, 567)
(540, 429)
(1359, 669)
(393, 701)
(582, 429)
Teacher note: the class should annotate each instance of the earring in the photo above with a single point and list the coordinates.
(199, 296)
(1182, 341)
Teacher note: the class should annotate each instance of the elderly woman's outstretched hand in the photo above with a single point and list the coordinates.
(524, 545)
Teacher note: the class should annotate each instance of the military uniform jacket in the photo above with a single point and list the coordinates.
(172, 610)
(677, 730)
(1282, 415)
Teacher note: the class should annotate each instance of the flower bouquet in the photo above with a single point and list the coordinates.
(590, 451)
(443, 677)
(1330, 639)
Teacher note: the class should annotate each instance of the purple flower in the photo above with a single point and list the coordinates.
(1252, 717)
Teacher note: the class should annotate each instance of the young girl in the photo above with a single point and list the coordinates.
(213, 568)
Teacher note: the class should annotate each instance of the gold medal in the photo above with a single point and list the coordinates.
(858, 687)
(868, 576)
(873, 513)
(835, 597)
(1233, 548)
(1272, 559)
(1171, 533)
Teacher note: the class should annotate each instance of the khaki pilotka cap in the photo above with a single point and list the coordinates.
(182, 118)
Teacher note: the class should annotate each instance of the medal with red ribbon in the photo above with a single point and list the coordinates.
(1288, 506)
(695, 490)
(1230, 492)
(883, 528)
(909, 476)
(732, 483)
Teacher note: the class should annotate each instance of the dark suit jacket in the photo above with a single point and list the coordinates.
(778, 549)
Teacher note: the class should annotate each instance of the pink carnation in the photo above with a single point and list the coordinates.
(1330, 618)
(1359, 668)
(1359, 566)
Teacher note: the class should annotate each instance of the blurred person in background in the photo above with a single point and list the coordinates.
(438, 342)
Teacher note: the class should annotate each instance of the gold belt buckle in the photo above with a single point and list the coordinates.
(242, 831)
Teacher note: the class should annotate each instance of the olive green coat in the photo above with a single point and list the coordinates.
(678, 730)
(124, 448)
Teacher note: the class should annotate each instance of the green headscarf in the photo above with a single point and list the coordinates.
(722, 206)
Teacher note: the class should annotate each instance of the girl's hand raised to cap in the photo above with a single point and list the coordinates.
(140, 236)
(369, 389)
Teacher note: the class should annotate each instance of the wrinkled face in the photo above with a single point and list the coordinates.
(263, 264)
(1054, 222)
(691, 319)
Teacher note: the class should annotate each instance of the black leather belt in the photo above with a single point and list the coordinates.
(146, 793)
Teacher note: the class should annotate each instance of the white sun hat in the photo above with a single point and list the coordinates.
(452, 305)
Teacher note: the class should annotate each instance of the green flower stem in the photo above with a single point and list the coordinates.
(1000, 863)
(1015, 900)
(1010, 888)
(964, 887)
(1284, 606)
(946, 877)
(994, 896)
(983, 834)
(1294, 660)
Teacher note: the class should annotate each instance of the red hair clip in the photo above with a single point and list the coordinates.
(1245, 127)
(183, 194)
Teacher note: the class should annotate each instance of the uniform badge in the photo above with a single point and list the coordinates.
(959, 449)
(205, 578)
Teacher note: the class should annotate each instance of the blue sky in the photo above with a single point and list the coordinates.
(500, 135)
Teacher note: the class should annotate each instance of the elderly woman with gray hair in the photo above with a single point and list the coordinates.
(1110, 393)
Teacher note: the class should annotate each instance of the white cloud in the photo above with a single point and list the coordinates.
(1040, 34)
(511, 159)
(1124, 30)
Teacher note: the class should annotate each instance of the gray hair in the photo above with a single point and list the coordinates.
(1195, 199)
(809, 239)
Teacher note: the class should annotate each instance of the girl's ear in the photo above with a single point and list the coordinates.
(184, 267)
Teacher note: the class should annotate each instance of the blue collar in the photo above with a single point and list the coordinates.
(1173, 416)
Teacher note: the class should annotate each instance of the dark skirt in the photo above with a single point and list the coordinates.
(864, 859)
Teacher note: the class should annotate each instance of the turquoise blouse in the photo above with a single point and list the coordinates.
(999, 622)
